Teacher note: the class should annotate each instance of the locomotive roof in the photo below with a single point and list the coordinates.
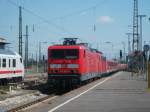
(57, 46)
(77, 46)
(6, 52)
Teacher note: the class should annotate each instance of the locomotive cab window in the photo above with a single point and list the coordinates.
(72, 54)
(64, 54)
(57, 54)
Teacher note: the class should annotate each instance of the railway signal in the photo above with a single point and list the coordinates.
(146, 48)
(120, 54)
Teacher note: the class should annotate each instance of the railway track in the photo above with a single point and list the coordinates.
(52, 94)
(49, 97)
(16, 109)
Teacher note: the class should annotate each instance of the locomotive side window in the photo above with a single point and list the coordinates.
(84, 53)
(4, 63)
(14, 63)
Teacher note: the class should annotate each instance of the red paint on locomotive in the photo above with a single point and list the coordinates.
(77, 62)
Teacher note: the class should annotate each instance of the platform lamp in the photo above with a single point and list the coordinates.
(40, 43)
(112, 45)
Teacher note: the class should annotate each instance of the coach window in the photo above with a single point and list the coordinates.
(20, 60)
(9, 62)
(4, 63)
(0, 62)
(14, 63)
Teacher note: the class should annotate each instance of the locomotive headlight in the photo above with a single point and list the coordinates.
(55, 65)
(73, 65)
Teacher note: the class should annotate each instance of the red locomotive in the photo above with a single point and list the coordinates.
(72, 63)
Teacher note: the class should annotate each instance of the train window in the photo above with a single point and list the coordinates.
(57, 54)
(71, 53)
(0, 62)
(4, 63)
(20, 60)
(14, 63)
(84, 53)
(64, 53)
(9, 62)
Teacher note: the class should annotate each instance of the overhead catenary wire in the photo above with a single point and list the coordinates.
(81, 11)
(93, 8)
(43, 19)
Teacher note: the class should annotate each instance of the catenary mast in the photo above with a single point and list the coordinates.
(135, 44)
(20, 30)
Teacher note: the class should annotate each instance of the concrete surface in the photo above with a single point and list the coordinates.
(121, 93)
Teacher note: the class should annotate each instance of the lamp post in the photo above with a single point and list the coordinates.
(40, 52)
(129, 42)
(124, 51)
(140, 39)
(40, 49)
(112, 47)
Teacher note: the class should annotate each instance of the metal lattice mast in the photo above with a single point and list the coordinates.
(135, 44)
(26, 47)
(20, 30)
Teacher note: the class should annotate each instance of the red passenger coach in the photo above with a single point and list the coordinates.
(72, 63)
(112, 66)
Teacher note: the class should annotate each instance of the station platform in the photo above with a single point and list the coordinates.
(120, 93)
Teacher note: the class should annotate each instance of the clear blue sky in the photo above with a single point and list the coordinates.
(111, 18)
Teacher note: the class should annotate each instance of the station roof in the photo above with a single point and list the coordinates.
(3, 41)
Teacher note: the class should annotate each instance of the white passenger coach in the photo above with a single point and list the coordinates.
(11, 65)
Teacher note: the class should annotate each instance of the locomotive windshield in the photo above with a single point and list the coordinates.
(64, 54)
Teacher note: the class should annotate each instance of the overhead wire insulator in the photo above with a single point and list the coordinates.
(94, 15)
(94, 27)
